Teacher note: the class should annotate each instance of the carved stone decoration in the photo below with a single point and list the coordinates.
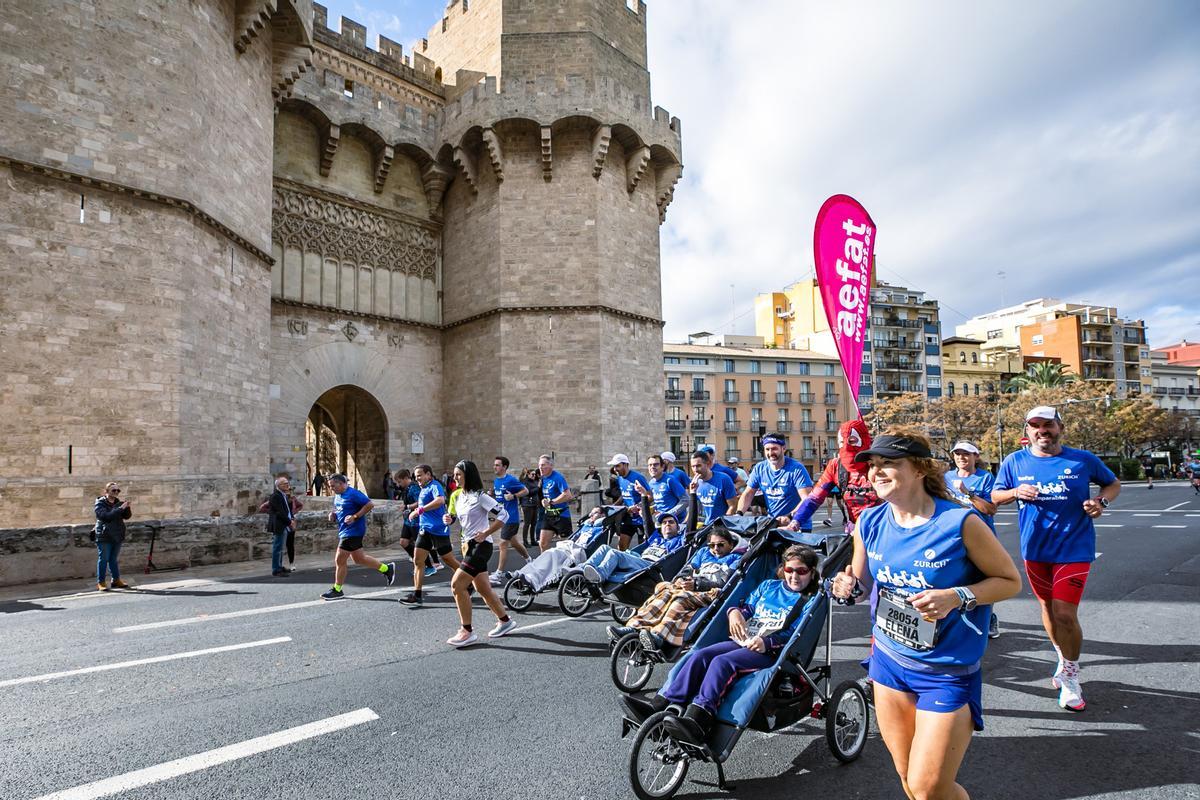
(434, 179)
(349, 331)
(329, 146)
(547, 160)
(298, 327)
(382, 166)
(665, 181)
(395, 340)
(350, 234)
(635, 167)
(252, 17)
(600, 142)
(492, 143)
(466, 163)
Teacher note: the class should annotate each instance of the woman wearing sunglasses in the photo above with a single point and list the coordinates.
(756, 633)
(934, 569)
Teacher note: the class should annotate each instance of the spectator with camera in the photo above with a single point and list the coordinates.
(109, 534)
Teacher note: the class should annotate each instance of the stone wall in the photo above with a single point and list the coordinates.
(34, 555)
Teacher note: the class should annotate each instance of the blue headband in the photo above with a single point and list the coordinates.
(773, 439)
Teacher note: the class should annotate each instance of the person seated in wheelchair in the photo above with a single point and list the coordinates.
(756, 635)
(610, 564)
(566, 552)
(663, 619)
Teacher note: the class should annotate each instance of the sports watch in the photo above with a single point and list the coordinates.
(1103, 501)
(966, 598)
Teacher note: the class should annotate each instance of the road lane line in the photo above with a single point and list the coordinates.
(249, 612)
(1168, 526)
(49, 676)
(552, 622)
(132, 592)
(1147, 515)
(1004, 523)
(1106, 525)
(1177, 505)
(212, 758)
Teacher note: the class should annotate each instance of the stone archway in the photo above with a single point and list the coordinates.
(346, 431)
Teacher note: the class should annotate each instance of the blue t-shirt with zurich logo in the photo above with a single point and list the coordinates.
(345, 504)
(782, 486)
(1054, 527)
(510, 484)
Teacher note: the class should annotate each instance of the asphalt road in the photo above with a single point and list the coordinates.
(362, 698)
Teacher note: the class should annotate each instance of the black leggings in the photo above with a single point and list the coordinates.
(291, 545)
(527, 531)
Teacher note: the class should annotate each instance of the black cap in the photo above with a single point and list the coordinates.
(894, 447)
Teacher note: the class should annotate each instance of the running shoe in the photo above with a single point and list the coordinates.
(431, 571)
(591, 573)
(390, 575)
(1070, 696)
(501, 629)
(462, 639)
(1056, 678)
(333, 594)
(438, 566)
(411, 599)
(994, 628)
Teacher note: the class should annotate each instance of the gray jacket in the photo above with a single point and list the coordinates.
(110, 520)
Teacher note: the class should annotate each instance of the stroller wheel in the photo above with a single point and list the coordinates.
(517, 594)
(621, 613)
(574, 594)
(847, 721)
(629, 665)
(657, 764)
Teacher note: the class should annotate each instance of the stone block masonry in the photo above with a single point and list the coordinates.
(35, 555)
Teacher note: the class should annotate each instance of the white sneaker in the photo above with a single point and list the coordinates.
(1056, 678)
(501, 629)
(1070, 696)
(462, 639)
(439, 566)
(591, 573)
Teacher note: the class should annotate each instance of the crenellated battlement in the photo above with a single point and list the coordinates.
(389, 57)
(548, 99)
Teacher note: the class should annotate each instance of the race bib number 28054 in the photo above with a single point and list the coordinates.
(902, 623)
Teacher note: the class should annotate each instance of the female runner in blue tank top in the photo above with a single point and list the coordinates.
(936, 568)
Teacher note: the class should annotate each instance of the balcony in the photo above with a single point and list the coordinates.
(701, 424)
(831, 399)
(896, 365)
(732, 397)
(895, 322)
(1090, 336)
(1177, 392)
(700, 394)
(831, 426)
(783, 425)
(808, 455)
(674, 395)
(675, 425)
(757, 397)
(783, 397)
(805, 397)
(733, 454)
(897, 344)
(807, 426)
(732, 426)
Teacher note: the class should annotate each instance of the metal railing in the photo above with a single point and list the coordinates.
(675, 424)
(733, 454)
(733, 397)
(674, 395)
(783, 425)
(783, 397)
(757, 397)
(806, 397)
(701, 424)
(732, 425)
(700, 394)
(807, 426)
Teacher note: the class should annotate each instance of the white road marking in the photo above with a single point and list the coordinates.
(212, 758)
(1004, 523)
(1168, 526)
(1177, 505)
(1147, 515)
(160, 587)
(49, 676)
(249, 612)
(1107, 525)
(547, 623)
(1192, 515)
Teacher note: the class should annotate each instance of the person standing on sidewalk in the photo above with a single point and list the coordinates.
(350, 509)
(1052, 487)
(279, 521)
(111, 514)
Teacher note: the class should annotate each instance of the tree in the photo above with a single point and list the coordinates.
(965, 417)
(1088, 423)
(1138, 421)
(909, 409)
(1042, 374)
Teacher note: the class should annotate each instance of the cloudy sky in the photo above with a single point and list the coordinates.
(1056, 143)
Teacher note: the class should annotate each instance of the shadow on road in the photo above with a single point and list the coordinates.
(17, 606)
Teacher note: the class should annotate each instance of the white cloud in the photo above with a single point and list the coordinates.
(1060, 145)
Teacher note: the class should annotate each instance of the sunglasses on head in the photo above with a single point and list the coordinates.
(797, 570)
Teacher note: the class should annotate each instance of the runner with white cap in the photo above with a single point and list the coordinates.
(1051, 485)
(671, 472)
(628, 480)
(971, 486)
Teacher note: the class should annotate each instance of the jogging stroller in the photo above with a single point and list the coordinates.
(576, 594)
(772, 698)
(631, 665)
(546, 571)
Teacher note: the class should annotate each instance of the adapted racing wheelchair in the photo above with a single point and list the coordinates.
(772, 698)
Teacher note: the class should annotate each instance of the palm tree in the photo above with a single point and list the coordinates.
(1041, 375)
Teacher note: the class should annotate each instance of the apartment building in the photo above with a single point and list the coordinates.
(1091, 341)
(903, 348)
(968, 369)
(1176, 387)
(730, 393)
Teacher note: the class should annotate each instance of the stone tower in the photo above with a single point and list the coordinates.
(135, 208)
(551, 277)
